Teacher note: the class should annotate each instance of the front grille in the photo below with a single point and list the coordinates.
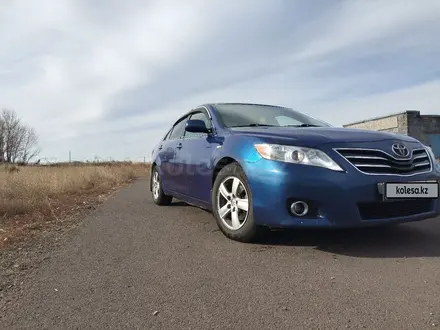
(374, 161)
(386, 210)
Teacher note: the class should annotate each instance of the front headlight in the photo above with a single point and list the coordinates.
(297, 155)
(431, 153)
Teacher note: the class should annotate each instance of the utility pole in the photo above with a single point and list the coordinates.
(70, 157)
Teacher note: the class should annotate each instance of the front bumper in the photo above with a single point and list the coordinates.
(336, 199)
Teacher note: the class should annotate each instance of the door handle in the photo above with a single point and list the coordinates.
(179, 146)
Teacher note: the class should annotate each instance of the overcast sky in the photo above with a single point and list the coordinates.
(107, 77)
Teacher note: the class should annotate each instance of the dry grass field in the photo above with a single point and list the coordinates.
(33, 197)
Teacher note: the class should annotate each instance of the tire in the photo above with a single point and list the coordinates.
(159, 197)
(245, 230)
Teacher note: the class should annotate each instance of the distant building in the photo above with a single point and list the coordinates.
(425, 128)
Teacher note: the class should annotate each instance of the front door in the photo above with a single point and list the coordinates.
(197, 149)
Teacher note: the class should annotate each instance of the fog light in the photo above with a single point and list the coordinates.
(299, 208)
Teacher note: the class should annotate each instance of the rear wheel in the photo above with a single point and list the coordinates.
(159, 197)
(232, 204)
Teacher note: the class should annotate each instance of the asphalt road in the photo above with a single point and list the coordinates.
(135, 265)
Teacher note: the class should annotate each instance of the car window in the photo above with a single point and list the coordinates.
(178, 130)
(238, 115)
(167, 136)
(284, 121)
(199, 116)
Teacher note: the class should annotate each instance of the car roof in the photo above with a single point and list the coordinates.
(209, 106)
(242, 103)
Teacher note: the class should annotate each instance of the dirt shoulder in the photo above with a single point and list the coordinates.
(33, 225)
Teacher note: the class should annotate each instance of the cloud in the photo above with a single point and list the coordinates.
(424, 97)
(107, 78)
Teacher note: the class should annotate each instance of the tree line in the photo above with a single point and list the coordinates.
(18, 141)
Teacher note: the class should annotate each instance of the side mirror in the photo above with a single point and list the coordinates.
(196, 126)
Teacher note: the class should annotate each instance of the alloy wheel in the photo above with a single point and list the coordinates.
(156, 185)
(232, 203)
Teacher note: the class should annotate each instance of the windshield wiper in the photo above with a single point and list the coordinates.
(303, 125)
(255, 125)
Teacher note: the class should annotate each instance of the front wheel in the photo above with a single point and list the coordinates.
(159, 197)
(232, 204)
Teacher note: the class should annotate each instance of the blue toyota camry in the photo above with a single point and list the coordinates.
(262, 166)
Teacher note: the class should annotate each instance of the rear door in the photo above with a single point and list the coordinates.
(177, 169)
(166, 151)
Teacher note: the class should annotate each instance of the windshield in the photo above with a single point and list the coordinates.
(244, 115)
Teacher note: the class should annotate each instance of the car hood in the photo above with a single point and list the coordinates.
(321, 135)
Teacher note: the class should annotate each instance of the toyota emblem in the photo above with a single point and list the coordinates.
(400, 150)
